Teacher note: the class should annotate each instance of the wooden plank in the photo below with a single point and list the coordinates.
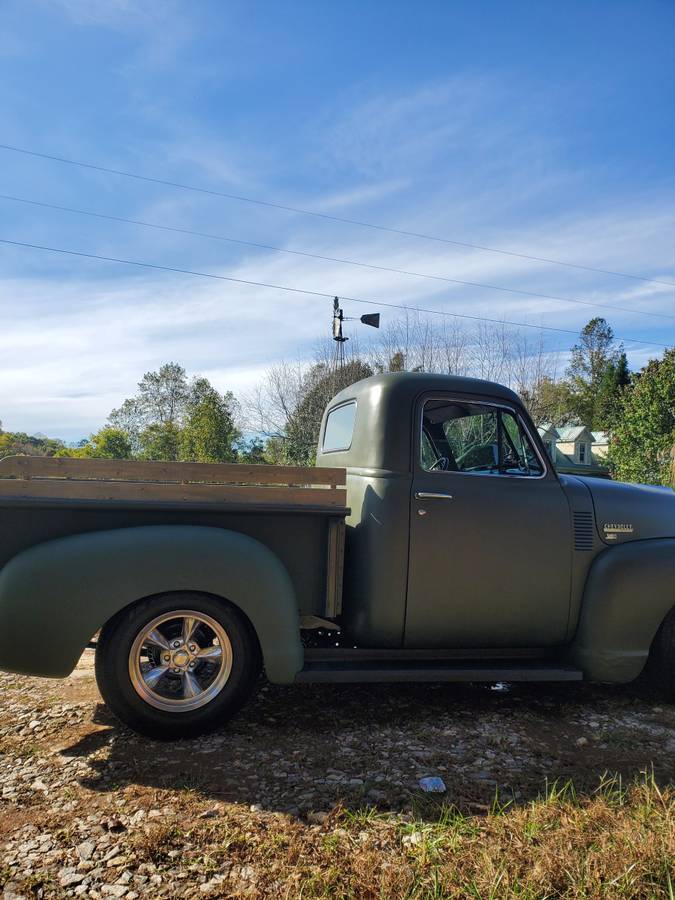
(158, 492)
(137, 470)
(334, 567)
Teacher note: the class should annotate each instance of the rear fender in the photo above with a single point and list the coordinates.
(629, 591)
(56, 595)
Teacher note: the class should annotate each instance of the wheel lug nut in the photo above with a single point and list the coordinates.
(192, 648)
(192, 665)
(166, 657)
(176, 671)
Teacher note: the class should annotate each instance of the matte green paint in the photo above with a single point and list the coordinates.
(376, 557)
(492, 570)
(385, 408)
(629, 592)
(648, 509)
(495, 568)
(56, 595)
(581, 503)
(475, 571)
(484, 570)
(294, 535)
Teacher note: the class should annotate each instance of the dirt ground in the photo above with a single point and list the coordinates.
(90, 809)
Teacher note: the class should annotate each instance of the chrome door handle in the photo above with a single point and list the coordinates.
(432, 495)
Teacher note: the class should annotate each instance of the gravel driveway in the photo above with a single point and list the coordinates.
(83, 799)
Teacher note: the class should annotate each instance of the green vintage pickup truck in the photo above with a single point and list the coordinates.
(433, 541)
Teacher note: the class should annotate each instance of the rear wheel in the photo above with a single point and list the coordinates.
(660, 668)
(177, 665)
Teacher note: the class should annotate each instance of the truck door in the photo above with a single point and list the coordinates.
(490, 533)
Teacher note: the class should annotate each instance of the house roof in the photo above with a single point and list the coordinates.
(571, 433)
(600, 437)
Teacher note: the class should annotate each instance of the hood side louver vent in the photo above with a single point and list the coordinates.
(583, 531)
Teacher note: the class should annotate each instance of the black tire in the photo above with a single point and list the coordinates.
(660, 668)
(113, 667)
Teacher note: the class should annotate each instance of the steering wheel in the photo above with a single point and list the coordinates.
(441, 464)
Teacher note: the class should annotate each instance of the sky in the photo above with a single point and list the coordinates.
(542, 128)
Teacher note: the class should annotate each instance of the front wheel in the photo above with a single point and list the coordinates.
(177, 665)
(660, 668)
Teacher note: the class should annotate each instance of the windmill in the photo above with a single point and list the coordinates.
(372, 319)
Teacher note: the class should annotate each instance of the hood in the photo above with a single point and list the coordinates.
(631, 512)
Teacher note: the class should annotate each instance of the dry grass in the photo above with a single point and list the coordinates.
(242, 814)
(617, 843)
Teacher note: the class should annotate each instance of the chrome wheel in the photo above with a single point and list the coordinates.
(180, 661)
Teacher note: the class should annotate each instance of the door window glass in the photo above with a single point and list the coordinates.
(475, 438)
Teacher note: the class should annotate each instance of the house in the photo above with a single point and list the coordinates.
(549, 437)
(575, 442)
(575, 449)
(600, 443)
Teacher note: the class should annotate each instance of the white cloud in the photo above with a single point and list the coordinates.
(73, 350)
(76, 342)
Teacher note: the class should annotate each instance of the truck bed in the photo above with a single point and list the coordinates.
(298, 512)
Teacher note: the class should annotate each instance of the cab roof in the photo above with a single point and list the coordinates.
(385, 405)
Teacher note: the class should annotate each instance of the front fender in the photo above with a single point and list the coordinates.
(629, 592)
(56, 595)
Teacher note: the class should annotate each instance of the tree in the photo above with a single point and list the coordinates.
(209, 433)
(613, 383)
(397, 362)
(108, 443)
(549, 402)
(161, 400)
(275, 453)
(644, 433)
(20, 444)
(597, 373)
(160, 441)
(170, 418)
(321, 385)
(252, 452)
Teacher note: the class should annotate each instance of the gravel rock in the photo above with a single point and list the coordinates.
(85, 850)
(99, 812)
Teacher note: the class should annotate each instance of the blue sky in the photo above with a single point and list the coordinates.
(545, 128)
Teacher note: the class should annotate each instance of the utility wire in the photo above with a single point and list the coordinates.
(336, 259)
(294, 290)
(319, 215)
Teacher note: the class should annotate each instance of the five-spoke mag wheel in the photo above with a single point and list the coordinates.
(180, 660)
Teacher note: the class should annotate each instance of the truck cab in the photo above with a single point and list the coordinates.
(462, 538)
(460, 533)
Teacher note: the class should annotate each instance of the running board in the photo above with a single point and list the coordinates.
(420, 670)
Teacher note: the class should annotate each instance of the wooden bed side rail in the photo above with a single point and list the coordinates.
(163, 492)
(111, 470)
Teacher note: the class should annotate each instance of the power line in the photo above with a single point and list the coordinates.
(294, 290)
(319, 215)
(336, 259)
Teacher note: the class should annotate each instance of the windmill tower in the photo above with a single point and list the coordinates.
(372, 319)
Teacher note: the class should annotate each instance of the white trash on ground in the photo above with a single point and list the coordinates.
(433, 785)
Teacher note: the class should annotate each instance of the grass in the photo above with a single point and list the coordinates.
(616, 842)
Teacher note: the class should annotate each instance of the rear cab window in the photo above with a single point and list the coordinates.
(339, 428)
